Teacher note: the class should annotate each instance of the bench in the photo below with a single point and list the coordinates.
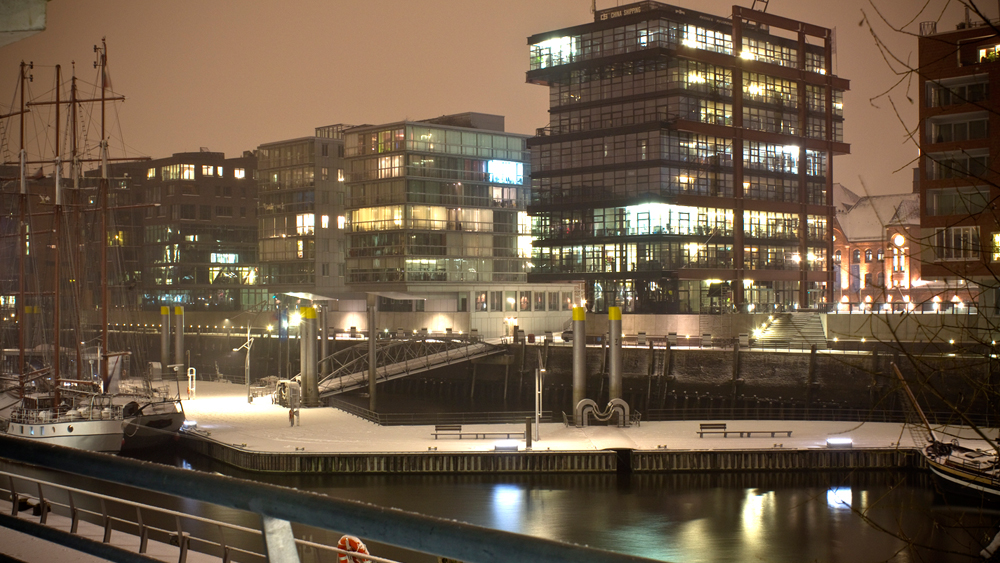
(771, 432)
(720, 428)
(455, 430)
(712, 428)
(447, 430)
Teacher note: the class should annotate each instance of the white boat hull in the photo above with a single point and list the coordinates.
(92, 435)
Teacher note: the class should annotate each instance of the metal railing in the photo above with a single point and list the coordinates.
(765, 409)
(278, 507)
(427, 419)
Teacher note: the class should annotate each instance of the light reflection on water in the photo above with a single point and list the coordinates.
(711, 518)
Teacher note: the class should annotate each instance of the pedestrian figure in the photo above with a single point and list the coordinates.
(291, 417)
(298, 422)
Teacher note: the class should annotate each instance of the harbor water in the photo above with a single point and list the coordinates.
(804, 516)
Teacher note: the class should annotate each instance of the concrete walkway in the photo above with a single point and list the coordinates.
(222, 412)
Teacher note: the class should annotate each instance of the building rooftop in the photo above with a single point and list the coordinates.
(867, 219)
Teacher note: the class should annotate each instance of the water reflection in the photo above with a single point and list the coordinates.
(707, 517)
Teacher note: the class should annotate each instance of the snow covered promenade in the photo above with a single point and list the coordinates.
(221, 410)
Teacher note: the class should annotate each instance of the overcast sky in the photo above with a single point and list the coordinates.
(231, 75)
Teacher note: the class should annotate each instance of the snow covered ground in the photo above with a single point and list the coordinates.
(222, 411)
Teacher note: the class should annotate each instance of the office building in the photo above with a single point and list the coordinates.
(687, 164)
(958, 182)
(300, 215)
(438, 226)
(192, 221)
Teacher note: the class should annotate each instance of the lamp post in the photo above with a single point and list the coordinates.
(248, 344)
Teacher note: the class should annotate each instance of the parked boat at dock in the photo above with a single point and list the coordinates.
(963, 469)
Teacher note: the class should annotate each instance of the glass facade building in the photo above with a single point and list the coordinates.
(196, 230)
(687, 164)
(442, 200)
(300, 214)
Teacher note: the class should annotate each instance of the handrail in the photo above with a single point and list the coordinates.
(427, 534)
(74, 510)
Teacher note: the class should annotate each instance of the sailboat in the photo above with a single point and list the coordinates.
(967, 470)
(80, 412)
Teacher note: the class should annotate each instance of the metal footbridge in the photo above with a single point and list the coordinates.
(398, 358)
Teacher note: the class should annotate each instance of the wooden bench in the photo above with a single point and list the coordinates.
(713, 428)
(771, 432)
(447, 430)
(455, 430)
(720, 428)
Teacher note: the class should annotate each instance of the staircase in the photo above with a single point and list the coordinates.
(794, 330)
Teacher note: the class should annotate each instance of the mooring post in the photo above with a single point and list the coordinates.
(579, 355)
(372, 359)
(615, 353)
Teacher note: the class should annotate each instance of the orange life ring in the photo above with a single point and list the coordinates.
(351, 543)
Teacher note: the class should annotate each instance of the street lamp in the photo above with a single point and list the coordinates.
(248, 344)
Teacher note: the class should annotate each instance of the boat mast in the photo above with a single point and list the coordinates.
(22, 235)
(56, 227)
(75, 171)
(913, 401)
(102, 60)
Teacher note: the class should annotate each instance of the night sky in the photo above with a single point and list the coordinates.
(231, 75)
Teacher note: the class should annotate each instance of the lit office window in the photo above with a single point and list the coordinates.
(240, 173)
(324, 222)
(304, 224)
(207, 170)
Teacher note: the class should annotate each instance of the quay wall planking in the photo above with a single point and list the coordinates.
(532, 462)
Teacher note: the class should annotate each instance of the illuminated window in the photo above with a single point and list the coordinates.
(324, 222)
(390, 166)
(240, 173)
(324, 173)
(956, 243)
(340, 174)
(341, 222)
(300, 248)
(207, 170)
(996, 247)
(304, 224)
(505, 171)
(555, 51)
(151, 173)
(227, 258)
(219, 171)
(187, 171)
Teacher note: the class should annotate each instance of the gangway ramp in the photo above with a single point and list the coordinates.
(399, 358)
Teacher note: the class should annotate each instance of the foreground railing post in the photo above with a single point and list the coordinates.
(182, 541)
(15, 500)
(107, 521)
(279, 540)
(74, 514)
(42, 506)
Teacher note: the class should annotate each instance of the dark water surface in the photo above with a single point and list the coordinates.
(720, 517)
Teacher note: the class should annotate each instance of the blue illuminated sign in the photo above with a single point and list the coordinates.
(505, 171)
